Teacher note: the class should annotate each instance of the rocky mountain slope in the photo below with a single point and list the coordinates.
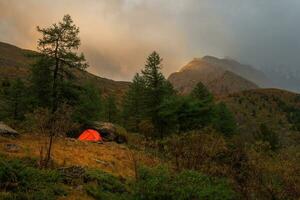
(221, 76)
(15, 63)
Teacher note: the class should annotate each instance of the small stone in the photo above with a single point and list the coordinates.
(12, 148)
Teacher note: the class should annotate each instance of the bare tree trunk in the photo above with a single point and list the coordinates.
(48, 156)
(54, 87)
(54, 107)
(133, 158)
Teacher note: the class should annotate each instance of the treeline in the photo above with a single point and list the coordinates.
(152, 107)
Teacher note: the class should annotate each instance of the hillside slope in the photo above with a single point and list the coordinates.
(15, 63)
(222, 77)
(246, 71)
(229, 83)
(276, 108)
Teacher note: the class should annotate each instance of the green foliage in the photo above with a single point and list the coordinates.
(68, 93)
(152, 98)
(146, 94)
(157, 88)
(59, 43)
(41, 82)
(224, 120)
(15, 101)
(152, 74)
(23, 181)
(294, 117)
(183, 114)
(267, 135)
(134, 105)
(89, 107)
(292, 112)
(105, 186)
(201, 93)
(111, 112)
(161, 184)
(186, 113)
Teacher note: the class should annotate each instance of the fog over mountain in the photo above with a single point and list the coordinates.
(117, 35)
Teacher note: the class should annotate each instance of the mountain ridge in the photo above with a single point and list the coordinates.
(210, 70)
(15, 63)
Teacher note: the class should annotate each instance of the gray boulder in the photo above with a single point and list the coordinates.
(108, 130)
(5, 130)
(12, 148)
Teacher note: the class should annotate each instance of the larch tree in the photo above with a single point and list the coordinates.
(205, 105)
(60, 43)
(41, 82)
(89, 106)
(15, 100)
(134, 106)
(111, 109)
(201, 93)
(224, 120)
(157, 88)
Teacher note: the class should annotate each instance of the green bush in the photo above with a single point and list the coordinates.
(161, 184)
(103, 186)
(20, 180)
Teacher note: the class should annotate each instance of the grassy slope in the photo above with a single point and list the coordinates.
(109, 157)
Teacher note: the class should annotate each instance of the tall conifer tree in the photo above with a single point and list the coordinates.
(134, 106)
(157, 88)
(59, 43)
(111, 112)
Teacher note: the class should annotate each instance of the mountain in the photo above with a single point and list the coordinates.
(229, 82)
(221, 76)
(284, 77)
(15, 63)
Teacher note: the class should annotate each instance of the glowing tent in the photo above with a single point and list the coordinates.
(90, 135)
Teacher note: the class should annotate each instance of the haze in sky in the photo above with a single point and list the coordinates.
(118, 35)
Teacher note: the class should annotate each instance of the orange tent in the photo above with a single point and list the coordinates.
(90, 135)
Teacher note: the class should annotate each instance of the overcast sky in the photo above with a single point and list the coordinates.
(118, 35)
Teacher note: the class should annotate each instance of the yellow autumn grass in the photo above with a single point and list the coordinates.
(110, 157)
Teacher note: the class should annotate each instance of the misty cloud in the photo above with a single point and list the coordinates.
(117, 35)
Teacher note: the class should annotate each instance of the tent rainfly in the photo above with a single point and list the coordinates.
(90, 135)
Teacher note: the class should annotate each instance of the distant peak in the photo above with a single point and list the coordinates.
(210, 58)
(196, 59)
(229, 58)
(207, 58)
